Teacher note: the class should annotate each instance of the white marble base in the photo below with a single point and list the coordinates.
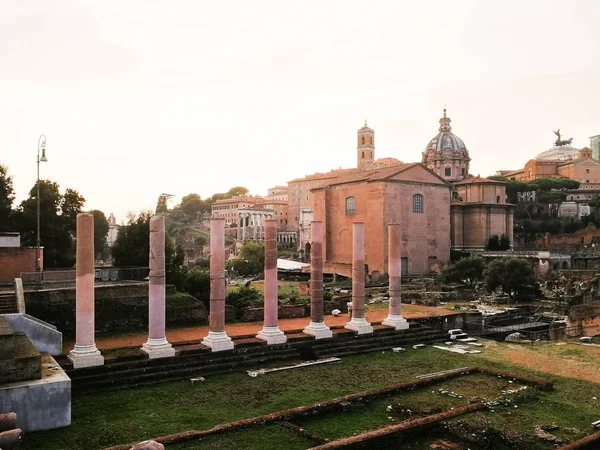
(218, 341)
(319, 330)
(85, 356)
(273, 335)
(158, 348)
(396, 321)
(361, 326)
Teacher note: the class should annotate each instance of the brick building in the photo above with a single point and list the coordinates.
(405, 193)
(437, 203)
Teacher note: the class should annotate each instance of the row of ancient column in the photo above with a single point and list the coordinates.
(85, 353)
(258, 225)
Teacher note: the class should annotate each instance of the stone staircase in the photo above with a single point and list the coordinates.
(195, 360)
(8, 303)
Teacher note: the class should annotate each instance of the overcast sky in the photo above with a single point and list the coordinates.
(137, 98)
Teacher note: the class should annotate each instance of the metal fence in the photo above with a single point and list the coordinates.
(58, 278)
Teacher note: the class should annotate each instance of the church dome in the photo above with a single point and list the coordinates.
(446, 154)
(445, 143)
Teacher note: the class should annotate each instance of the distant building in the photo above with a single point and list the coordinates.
(113, 230)
(595, 146)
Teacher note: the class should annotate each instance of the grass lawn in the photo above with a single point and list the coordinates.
(102, 420)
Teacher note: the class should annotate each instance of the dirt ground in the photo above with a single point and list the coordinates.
(179, 335)
(566, 359)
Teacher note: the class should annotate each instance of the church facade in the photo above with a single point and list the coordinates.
(438, 205)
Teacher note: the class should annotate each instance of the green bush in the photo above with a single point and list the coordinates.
(244, 297)
(197, 284)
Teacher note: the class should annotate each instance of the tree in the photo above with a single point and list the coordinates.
(161, 204)
(237, 191)
(504, 242)
(251, 260)
(493, 242)
(198, 285)
(58, 222)
(515, 276)
(100, 231)
(132, 248)
(466, 271)
(7, 197)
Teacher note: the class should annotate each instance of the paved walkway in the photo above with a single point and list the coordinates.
(181, 335)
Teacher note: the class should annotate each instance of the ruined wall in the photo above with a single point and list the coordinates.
(117, 307)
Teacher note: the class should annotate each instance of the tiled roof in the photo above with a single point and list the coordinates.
(478, 179)
(379, 173)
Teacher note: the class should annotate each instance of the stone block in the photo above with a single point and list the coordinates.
(40, 404)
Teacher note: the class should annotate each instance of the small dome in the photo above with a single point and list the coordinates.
(445, 144)
(446, 154)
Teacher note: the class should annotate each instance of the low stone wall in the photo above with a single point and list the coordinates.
(120, 307)
(293, 311)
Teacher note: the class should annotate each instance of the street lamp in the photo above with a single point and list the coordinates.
(41, 145)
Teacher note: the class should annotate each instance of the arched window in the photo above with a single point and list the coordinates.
(363, 155)
(350, 206)
(417, 203)
(363, 140)
(371, 140)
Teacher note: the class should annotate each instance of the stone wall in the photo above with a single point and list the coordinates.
(120, 307)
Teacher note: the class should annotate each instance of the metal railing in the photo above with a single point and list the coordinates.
(64, 278)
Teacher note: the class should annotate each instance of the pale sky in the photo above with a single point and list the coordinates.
(137, 98)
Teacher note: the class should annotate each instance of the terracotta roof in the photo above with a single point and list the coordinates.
(376, 174)
(323, 176)
(478, 179)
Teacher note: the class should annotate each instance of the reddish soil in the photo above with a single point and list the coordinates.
(566, 360)
(179, 335)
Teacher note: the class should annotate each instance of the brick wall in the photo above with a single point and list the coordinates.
(14, 260)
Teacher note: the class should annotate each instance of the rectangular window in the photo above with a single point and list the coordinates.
(448, 171)
(417, 203)
(587, 170)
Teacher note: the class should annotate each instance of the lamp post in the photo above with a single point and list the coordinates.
(42, 146)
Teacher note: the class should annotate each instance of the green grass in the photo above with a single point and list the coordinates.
(107, 419)
(272, 437)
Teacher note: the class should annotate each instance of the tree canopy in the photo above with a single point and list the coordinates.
(7, 197)
(466, 271)
(58, 222)
(100, 230)
(515, 276)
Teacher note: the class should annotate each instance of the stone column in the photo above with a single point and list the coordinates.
(317, 325)
(239, 230)
(157, 345)
(358, 322)
(394, 318)
(217, 338)
(244, 216)
(254, 226)
(271, 332)
(85, 353)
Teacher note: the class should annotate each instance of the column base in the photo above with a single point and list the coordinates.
(396, 321)
(218, 341)
(85, 356)
(361, 326)
(158, 348)
(273, 335)
(318, 329)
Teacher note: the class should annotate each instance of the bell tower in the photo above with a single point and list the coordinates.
(365, 148)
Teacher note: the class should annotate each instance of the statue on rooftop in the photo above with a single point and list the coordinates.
(559, 142)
